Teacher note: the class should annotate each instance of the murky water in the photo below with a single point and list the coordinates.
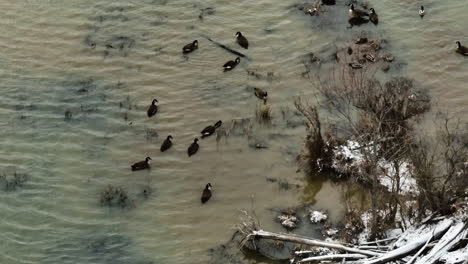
(55, 58)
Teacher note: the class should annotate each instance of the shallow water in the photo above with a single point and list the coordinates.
(49, 65)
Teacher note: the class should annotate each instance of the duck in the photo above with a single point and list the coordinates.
(355, 65)
(206, 195)
(242, 41)
(231, 64)
(369, 57)
(311, 11)
(353, 12)
(462, 49)
(422, 12)
(167, 144)
(141, 165)
(209, 130)
(261, 94)
(373, 17)
(190, 47)
(193, 148)
(153, 109)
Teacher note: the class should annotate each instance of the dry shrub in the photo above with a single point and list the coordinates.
(441, 167)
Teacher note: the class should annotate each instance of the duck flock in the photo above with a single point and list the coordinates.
(207, 131)
(354, 13)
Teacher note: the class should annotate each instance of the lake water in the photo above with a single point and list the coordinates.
(54, 59)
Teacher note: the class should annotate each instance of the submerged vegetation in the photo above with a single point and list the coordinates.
(11, 183)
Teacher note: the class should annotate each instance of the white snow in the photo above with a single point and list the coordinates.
(318, 217)
(351, 156)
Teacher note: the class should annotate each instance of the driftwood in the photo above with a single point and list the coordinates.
(446, 242)
(424, 245)
(309, 242)
(333, 257)
(405, 250)
(226, 48)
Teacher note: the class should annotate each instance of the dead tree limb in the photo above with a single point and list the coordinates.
(333, 257)
(310, 242)
(405, 250)
(453, 235)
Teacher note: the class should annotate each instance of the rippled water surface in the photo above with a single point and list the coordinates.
(102, 62)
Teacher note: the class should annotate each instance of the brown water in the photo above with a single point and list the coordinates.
(47, 66)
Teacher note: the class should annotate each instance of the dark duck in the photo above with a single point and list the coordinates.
(167, 144)
(209, 130)
(190, 47)
(153, 109)
(373, 17)
(193, 148)
(206, 195)
(242, 41)
(353, 12)
(260, 94)
(462, 49)
(141, 165)
(230, 65)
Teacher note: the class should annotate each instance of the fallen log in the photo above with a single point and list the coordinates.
(453, 235)
(310, 242)
(405, 250)
(333, 257)
(226, 48)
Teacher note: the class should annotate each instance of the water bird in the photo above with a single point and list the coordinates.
(369, 57)
(141, 165)
(167, 144)
(153, 109)
(261, 94)
(193, 148)
(422, 12)
(190, 47)
(243, 42)
(206, 195)
(231, 64)
(462, 49)
(353, 12)
(311, 11)
(373, 16)
(209, 130)
(355, 65)
(361, 41)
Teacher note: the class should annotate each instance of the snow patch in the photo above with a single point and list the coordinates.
(318, 217)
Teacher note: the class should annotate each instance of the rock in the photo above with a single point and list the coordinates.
(318, 217)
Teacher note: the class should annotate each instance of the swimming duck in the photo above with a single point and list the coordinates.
(153, 109)
(422, 12)
(206, 195)
(261, 94)
(193, 148)
(231, 64)
(190, 47)
(141, 165)
(462, 49)
(369, 57)
(167, 144)
(243, 42)
(373, 17)
(355, 65)
(353, 12)
(312, 11)
(209, 130)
